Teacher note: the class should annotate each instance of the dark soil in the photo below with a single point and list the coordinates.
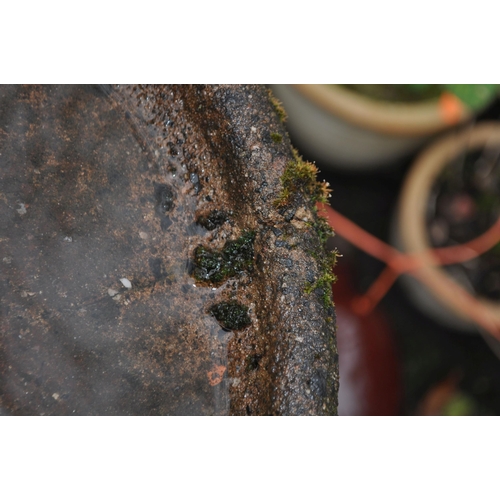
(397, 93)
(464, 203)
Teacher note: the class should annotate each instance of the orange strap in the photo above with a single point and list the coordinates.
(398, 263)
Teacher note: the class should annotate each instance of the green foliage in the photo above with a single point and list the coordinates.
(475, 97)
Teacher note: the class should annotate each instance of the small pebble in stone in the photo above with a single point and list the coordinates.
(126, 283)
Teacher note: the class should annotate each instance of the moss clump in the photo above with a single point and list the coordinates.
(326, 262)
(214, 219)
(278, 107)
(324, 283)
(215, 267)
(327, 278)
(277, 138)
(301, 176)
(323, 229)
(231, 315)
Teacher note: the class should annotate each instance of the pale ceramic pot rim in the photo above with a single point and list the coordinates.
(413, 204)
(401, 119)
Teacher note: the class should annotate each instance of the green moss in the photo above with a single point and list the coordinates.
(277, 138)
(326, 262)
(231, 315)
(323, 283)
(278, 107)
(301, 176)
(322, 228)
(215, 267)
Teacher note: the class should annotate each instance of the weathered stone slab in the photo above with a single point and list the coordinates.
(108, 197)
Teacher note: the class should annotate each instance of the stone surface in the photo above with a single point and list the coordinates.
(104, 196)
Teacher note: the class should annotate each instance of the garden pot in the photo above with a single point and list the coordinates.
(346, 130)
(370, 365)
(439, 297)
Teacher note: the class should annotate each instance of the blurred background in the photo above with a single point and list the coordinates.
(412, 355)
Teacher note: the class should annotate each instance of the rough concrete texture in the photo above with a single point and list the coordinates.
(104, 196)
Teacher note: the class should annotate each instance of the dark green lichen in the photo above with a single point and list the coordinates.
(277, 138)
(215, 267)
(213, 220)
(231, 315)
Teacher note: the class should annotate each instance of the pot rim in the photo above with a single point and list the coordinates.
(392, 118)
(413, 204)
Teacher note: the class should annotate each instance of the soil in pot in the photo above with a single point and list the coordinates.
(397, 92)
(464, 203)
(475, 96)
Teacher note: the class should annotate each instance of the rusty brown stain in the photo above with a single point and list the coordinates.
(215, 375)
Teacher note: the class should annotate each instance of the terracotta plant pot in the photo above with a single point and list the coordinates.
(347, 130)
(440, 297)
(370, 366)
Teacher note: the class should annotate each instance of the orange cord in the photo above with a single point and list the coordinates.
(398, 263)
(471, 249)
